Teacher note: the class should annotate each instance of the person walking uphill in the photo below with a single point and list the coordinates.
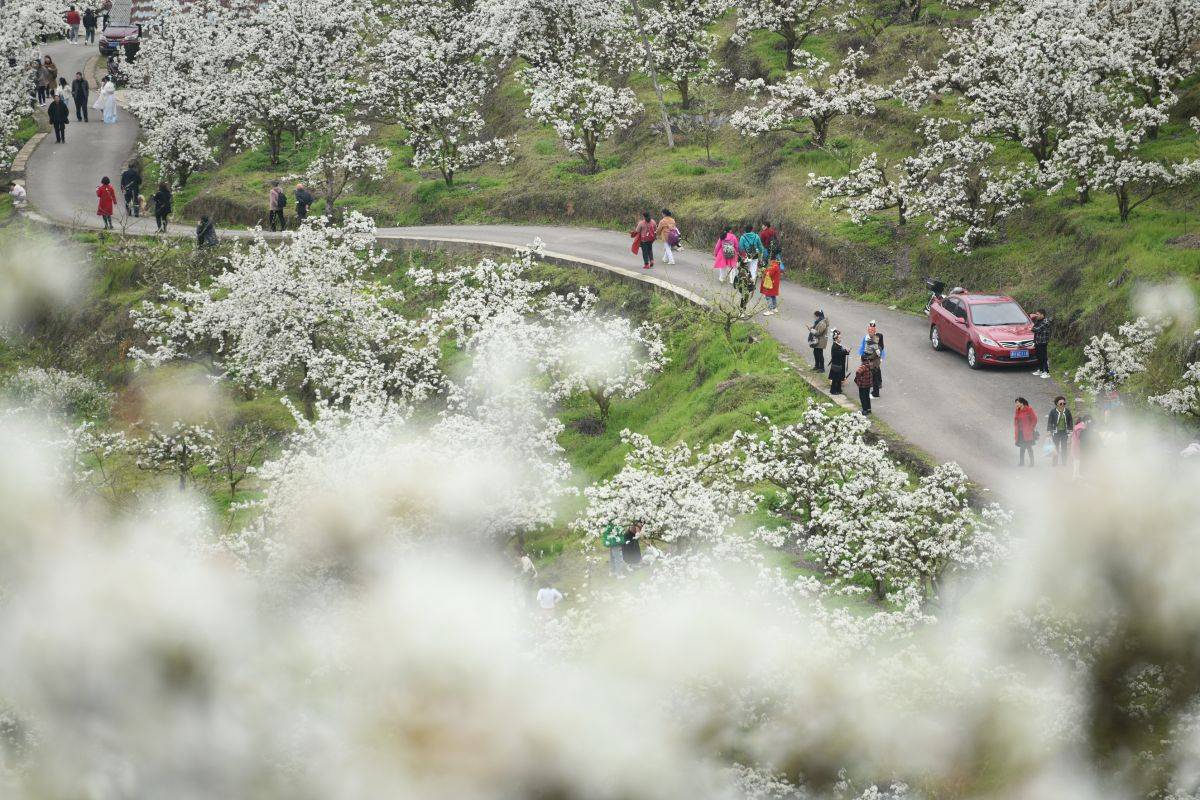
(163, 201)
(725, 255)
(276, 203)
(752, 248)
(1041, 342)
(1025, 429)
(59, 116)
(818, 339)
(108, 202)
(1059, 425)
(770, 287)
(79, 93)
(668, 232)
(73, 20)
(89, 26)
(837, 363)
(643, 237)
(862, 379)
(131, 187)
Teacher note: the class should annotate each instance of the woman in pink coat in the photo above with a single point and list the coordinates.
(725, 254)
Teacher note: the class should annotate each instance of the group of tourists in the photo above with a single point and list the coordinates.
(52, 91)
(1067, 440)
(277, 201)
(648, 231)
(624, 546)
(135, 202)
(87, 20)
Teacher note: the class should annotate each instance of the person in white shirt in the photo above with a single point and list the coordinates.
(17, 192)
(548, 597)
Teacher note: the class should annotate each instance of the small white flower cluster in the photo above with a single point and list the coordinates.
(1109, 361)
(56, 391)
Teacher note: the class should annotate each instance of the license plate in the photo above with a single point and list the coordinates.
(1019, 354)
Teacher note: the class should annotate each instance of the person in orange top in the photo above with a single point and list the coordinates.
(769, 286)
(108, 200)
(1025, 429)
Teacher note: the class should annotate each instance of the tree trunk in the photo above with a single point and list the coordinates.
(685, 99)
(789, 42)
(275, 142)
(658, 92)
(1123, 209)
(821, 130)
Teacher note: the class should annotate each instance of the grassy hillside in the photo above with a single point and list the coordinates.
(1077, 261)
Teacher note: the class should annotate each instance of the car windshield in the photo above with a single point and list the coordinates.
(998, 314)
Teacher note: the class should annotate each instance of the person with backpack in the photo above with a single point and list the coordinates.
(743, 284)
(276, 203)
(770, 287)
(725, 255)
(752, 248)
(304, 201)
(89, 26)
(643, 236)
(862, 379)
(206, 233)
(162, 206)
(837, 363)
(1025, 429)
(107, 202)
(668, 231)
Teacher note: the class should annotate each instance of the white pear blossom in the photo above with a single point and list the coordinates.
(1110, 361)
(342, 157)
(177, 449)
(794, 20)
(582, 110)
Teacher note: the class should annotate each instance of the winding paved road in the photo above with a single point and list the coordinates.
(931, 399)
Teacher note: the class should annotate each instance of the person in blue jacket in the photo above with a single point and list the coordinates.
(751, 246)
(871, 348)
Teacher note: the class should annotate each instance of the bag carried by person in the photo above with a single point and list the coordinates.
(673, 237)
(729, 251)
(767, 283)
(636, 246)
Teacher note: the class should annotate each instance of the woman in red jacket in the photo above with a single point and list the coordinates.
(108, 200)
(1025, 429)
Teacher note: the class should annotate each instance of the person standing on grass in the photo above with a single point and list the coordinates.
(304, 201)
(1059, 425)
(108, 202)
(644, 234)
(59, 116)
(769, 237)
(276, 203)
(668, 232)
(837, 363)
(206, 233)
(770, 287)
(162, 206)
(862, 379)
(725, 255)
(89, 26)
(73, 20)
(79, 93)
(752, 248)
(818, 339)
(131, 187)
(1025, 429)
(1041, 342)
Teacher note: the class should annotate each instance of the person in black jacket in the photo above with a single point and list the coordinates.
(131, 185)
(89, 26)
(79, 91)
(837, 363)
(162, 206)
(206, 233)
(59, 115)
(1059, 424)
(1041, 342)
(304, 199)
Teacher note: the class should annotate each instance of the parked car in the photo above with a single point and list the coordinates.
(115, 38)
(986, 328)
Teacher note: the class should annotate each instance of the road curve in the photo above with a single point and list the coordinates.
(931, 399)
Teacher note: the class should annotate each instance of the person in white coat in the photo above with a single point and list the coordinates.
(106, 101)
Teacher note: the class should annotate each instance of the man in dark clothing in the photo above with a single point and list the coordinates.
(1041, 342)
(59, 115)
(276, 202)
(89, 26)
(131, 185)
(79, 91)
(206, 233)
(304, 199)
(862, 379)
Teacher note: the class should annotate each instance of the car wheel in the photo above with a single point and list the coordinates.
(935, 338)
(972, 360)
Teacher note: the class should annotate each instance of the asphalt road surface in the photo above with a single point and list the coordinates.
(931, 399)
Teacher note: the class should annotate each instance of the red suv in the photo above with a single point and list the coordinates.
(987, 329)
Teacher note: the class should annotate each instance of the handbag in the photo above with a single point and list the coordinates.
(673, 237)
(636, 246)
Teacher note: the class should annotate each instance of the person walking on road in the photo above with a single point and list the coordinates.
(837, 363)
(725, 255)
(107, 101)
(73, 20)
(162, 206)
(1059, 425)
(644, 235)
(45, 80)
(89, 26)
(862, 379)
(743, 284)
(668, 232)
(1025, 429)
(1041, 342)
(131, 187)
(51, 75)
(59, 116)
(818, 339)
(752, 248)
(871, 347)
(304, 201)
(108, 202)
(770, 287)
(206, 233)
(79, 93)
(276, 203)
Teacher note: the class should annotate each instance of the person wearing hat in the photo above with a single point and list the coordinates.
(862, 379)
(871, 348)
(818, 339)
(837, 363)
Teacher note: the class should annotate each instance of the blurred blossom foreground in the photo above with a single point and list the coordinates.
(364, 637)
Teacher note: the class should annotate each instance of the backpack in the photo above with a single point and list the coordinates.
(673, 237)
(729, 251)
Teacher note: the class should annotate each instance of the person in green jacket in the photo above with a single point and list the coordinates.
(752, 248)
(613, 537)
